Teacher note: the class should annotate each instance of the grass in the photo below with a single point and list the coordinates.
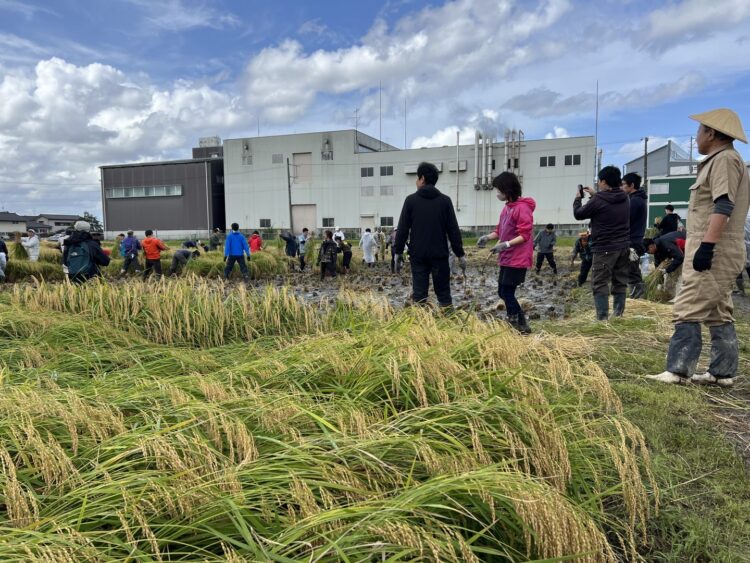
(705, 489)
(182, 421)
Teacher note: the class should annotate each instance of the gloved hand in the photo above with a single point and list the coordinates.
(703, 257)
(634, 255)
(482, 241)
(500, 247)
(462, 262)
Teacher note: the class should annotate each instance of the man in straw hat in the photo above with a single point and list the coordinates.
(714, 254)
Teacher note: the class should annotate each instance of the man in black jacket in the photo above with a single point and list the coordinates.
(83, 255)
(665, 247)
(670, 222)
(609, 211)
(427, 218)
(631, 185)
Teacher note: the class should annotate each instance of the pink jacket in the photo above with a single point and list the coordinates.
(517, 218)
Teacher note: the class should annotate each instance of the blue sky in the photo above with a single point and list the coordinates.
(85, 83)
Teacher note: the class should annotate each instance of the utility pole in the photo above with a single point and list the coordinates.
(691, 155)
(458, 136)
(645, 162)
(289, 190)
(380, 114)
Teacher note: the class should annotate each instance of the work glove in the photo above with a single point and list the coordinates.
(500, 247)
(462, 262)
(482, 241)
(703, 257)
(634, 255)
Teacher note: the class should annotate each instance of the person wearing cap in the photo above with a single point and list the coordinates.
(31, 244)
(582, 248)
(130, 245)
(83, 255)
(214, 241)
(714, 254)
(337, 232)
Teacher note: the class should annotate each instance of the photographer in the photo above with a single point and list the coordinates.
(609, 212)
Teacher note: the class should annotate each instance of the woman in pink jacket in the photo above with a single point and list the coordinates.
(516, 248)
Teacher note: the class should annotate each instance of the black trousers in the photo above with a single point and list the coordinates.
(508, 280)
(327, 268)
(130, 260)
(154, 265)
(230, 266)
(301, 262)
(421, 269)
(550, 256)
(583, 275)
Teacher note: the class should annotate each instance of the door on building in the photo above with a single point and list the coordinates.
(304, 216)
(367, 222)
(302, 171)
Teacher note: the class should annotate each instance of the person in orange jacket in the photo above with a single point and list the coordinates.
(256, 242)
(152, 248)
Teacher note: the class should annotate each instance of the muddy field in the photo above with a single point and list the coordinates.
(543, 296)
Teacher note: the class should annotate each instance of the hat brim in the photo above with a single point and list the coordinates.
(738, 135)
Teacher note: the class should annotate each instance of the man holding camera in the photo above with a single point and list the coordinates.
(609, 212)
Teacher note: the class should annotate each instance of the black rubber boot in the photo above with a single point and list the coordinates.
(512, 320)
(618, 304)
(523, 326)
(725, 351)
(685, 349)
(638, 290)
(601, 303)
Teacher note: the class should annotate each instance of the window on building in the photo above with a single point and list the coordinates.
(568, 160)
(277, 159)
(386, 170)
(386, 221)
(368, 191)
(576, 160)
(367, 172)
(247, 160)
(328, 222)
(265, 223)
(515, 163)
(551, 161)
(144, 191)
(543, 161)
(386, 190)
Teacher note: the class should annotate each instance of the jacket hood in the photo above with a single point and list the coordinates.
(639, 194)
(615, 195)
(255, 236)
(79, 236)
(522, 202)
(428, 192)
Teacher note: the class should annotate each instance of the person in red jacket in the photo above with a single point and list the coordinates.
(515, 250)
(256, 242)
(152, 248)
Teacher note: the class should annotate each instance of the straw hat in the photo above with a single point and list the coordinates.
(723, 120)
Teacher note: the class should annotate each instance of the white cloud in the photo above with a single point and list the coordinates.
(182, 15)
(452, 45)
(690, 20)
(59, 122)
(26, 10)
(557, 133)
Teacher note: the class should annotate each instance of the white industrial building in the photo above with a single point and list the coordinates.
(351, 180)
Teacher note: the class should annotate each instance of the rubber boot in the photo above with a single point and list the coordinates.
(725, 351)
(638, 290)
(618, 304)
(684, 349)
(512, 320)
(601, 303)
(523, 326)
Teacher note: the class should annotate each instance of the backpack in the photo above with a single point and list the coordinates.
(79, 260)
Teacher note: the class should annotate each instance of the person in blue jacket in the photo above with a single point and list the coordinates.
(235, 249)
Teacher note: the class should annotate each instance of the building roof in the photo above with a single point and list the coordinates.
(161, 162)
(59, 217)
(37, 226)
(8, 216)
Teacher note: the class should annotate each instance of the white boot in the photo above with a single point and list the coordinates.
(668, 377)
(708, 379)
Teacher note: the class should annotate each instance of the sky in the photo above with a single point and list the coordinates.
(84, 83)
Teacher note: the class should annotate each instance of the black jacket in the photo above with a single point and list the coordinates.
(609, 212)
(98, 258)
(4, 248)
(669, 223)
(426, 218)
(291, 244)
(638, 217)
(666, 247)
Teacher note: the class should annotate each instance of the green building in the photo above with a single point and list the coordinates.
(663, 190)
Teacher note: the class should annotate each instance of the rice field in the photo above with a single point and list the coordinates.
(186, 421)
